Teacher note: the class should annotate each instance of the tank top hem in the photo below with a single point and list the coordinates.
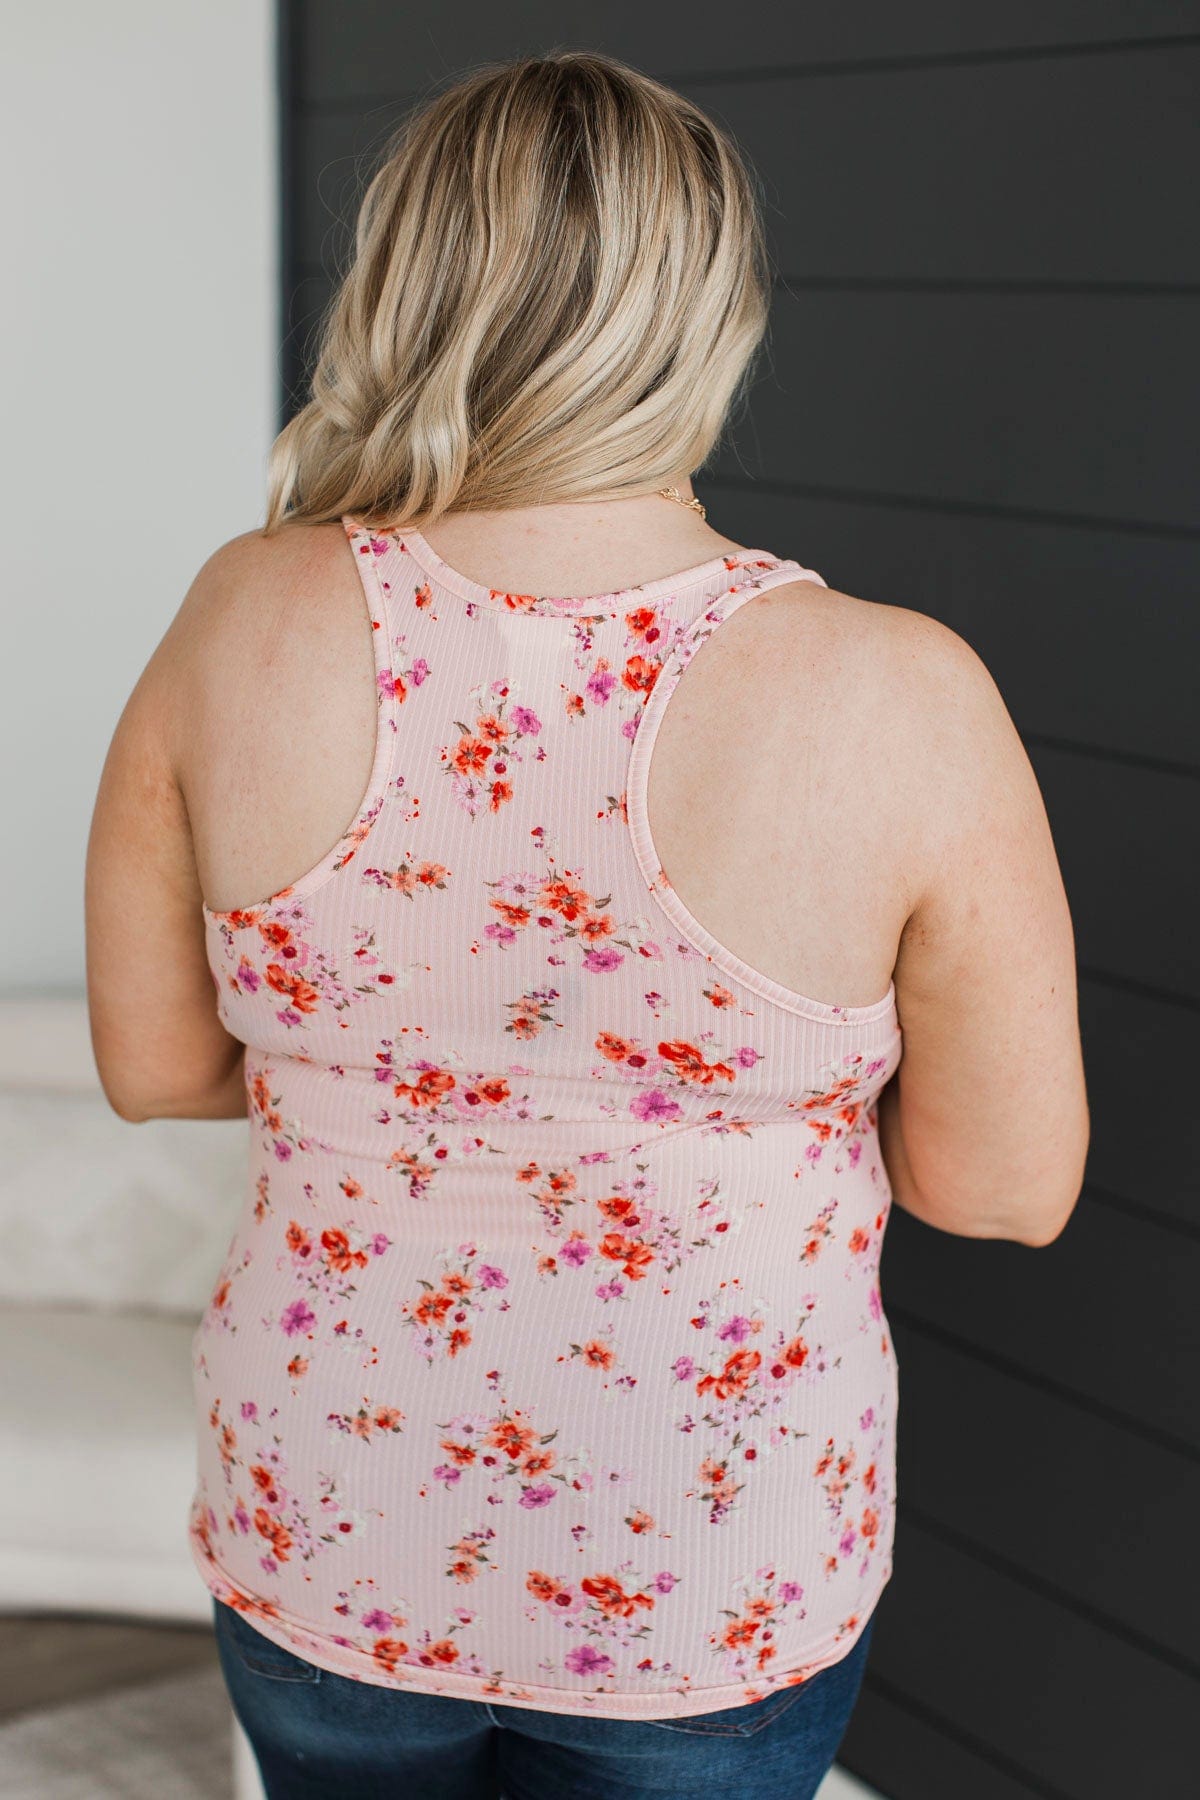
(336, 1659)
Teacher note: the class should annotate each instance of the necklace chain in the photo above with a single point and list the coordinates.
(670, 493)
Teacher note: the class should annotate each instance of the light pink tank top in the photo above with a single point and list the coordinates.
(547, 1363)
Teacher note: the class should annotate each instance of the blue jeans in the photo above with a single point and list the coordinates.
(319, 1736)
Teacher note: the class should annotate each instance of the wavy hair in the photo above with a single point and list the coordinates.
(558, 286)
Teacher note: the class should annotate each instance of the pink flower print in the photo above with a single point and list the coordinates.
(525, 721)
(508, 1447)
(602, 961)
(585, 1659)
(296, 1318)
(469, 1555)
(442, 1313)
(683, 1368)
(539, 1495)
(655, 1107)
(247, 977)
(746, 1639)
(600, 683)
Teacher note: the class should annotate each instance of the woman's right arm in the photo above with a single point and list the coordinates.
(985, 1126)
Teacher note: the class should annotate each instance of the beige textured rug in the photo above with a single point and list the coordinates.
(162, 1740)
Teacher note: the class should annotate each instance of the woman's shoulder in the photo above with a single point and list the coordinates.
(879, 686)
(892, 661)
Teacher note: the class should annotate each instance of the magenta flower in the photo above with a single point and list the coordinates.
(540, 1495)
(296, 1318)
(790, 1590)
(683, 1368)
(664, 1581)
(655, 1105)
(492, 1277)
(599, 686)
(526, 721)
(600, 962)
(575, 1251)
(585, 1659)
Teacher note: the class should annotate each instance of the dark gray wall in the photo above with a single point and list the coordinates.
(980, 402)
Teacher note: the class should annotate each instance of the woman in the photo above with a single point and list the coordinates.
(546, 1403)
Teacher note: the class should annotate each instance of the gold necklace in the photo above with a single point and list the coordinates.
(674, 494)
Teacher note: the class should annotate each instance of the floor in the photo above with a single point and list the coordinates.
(53, 1659)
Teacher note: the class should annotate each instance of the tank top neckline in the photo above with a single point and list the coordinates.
(615, 601)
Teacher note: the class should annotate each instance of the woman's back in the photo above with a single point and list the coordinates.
(548, 1359)
(774, 796)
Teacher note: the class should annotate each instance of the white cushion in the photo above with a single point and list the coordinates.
(97, 1442)
(100, 1212)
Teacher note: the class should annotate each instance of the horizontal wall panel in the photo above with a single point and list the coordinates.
(393, 47)
(1068, 1311)
(1080, 1708)
(1090, 635)
(968, 397)
(1126, 843)
(910, 1751)
(950, 200)
(1023, 1474)
(1140, 1058)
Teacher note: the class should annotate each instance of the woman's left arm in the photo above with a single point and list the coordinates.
(160, 1047)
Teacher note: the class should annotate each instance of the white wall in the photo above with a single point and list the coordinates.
(138, 319)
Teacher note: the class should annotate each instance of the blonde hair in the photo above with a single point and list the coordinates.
(558, 286)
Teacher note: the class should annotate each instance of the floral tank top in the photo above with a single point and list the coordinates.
(547, 1363)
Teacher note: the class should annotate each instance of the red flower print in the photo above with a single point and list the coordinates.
(302, 995)
(427, 1089)
(611, 1598)
(542, 1587)
(733, 1378)
(640, 674)
(690, 1065)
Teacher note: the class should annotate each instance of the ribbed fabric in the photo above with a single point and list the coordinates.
(547, 1363)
